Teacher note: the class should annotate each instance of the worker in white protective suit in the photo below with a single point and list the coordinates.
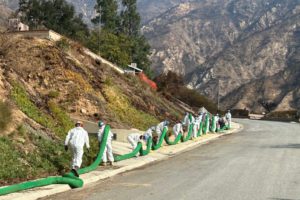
(149, 132)
(108, 152)
(77, 138)
(198, 120)
(191, 120)
(228, 118)
(135, 138)
(216, 122)
(177, 129)
(185, 119)
(160, 127)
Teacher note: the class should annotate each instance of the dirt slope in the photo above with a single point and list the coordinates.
(46, 84)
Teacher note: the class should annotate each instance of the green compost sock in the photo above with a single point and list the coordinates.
(160, 141)
(213, 124)
(129, 155)
(98, 160)
(176, 140)
(72, 182)
(148, 149)
(199, 133)
(69, 178)
(206, 124)
(189, 135)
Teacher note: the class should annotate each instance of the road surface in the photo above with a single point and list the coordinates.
(261, 162)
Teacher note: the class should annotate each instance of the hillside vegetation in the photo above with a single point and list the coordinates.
(45, 86)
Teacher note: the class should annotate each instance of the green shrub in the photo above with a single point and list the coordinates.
(5, 115)
(289, 115)
(53, 94)
(121, 106)
(23, 101)
(173, 84)
(60, 123)
(62, 118)
(240, 113)
(63, 44)
(11, 166)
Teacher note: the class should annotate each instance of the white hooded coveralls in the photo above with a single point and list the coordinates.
(108, 153)
(177, 129)
(133, 139)
(216, 118)
(148, 133)
(192, 121)
(186, 119)
(197, 125)
(77, 138)
(159, 129)
(228, 118)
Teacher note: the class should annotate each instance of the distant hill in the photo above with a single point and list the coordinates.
(148, 8)
(5, 12)
(229, 43)
(154, 8)
(84, 7)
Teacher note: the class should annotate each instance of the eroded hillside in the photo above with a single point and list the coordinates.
(47, 84)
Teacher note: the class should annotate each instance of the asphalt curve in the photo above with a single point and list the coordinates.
(260, 162)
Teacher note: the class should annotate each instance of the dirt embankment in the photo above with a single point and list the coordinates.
(46, 84)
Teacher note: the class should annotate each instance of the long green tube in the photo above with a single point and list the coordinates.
(148, 149)
(200, 130)
(189, 135)
(206, 124)
(68, 178)
(213, 124)
(176, 140)
(75, 182)
(161, 139)
(129, 155)
(98, 160)
(226, 127)
(72, 182)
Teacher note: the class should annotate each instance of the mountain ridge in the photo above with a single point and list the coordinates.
(234, 42)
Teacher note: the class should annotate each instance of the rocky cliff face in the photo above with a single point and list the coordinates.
(5, 13)
(231, 44)
(281, 90)
(83, 7)
(154, 8)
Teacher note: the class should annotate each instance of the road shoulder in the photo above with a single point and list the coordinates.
(101, 173)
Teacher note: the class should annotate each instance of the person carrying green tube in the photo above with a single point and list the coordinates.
(228, 118)
(108, 152)
(149, 132)
(135, 138)
(186, 119)
(177, 129)
(77, 138)
(159, 129)
(197, 125)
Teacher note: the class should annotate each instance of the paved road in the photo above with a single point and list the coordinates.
(261, 162)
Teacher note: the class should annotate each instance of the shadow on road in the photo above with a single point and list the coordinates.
(287, 146)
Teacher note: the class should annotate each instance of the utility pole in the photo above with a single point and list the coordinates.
(99, 32)
(218, 95)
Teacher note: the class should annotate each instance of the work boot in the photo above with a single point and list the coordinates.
(74, 171)
(110, 163)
